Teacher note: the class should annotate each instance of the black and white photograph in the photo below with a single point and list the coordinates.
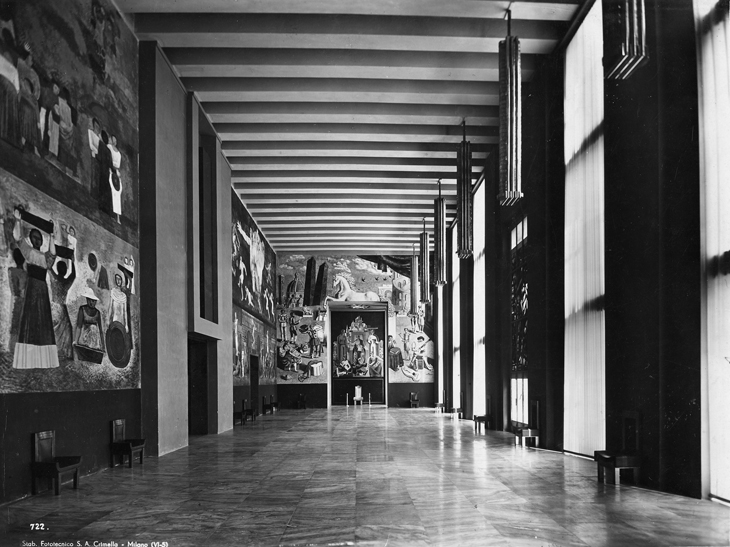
(389, 273)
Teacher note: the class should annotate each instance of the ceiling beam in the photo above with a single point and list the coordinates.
(558, 10)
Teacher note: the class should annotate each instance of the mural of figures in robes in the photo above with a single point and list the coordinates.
(36, 343)
(62, 328)
(67, 109)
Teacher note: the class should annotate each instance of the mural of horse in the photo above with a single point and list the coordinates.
(345, 292)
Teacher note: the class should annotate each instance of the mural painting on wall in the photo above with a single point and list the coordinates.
(68, 104)
(358, 352)
(308, 283)
(253, 265)
(301, 346)
(68, 304)
(252, 337)
(410, 350)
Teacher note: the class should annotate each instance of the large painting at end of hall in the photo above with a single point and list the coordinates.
(68, 298)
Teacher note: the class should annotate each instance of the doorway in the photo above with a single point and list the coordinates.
(358, 334)
(197, 387)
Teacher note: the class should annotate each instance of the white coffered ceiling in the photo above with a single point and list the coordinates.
(339, 117)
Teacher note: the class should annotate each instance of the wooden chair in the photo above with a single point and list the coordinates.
(302, 401)
(122, 446)
(413, 399)
(265, 406)
(46, 465)
(611, 462)
(274, 404)
(480, 421)
(238, 414)
(248, 412)
(358, 396)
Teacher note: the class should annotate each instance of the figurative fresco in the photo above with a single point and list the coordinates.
(410, 350)
(252, 337)
(69, 310)
(301, 347)
(358, 351)
(307, 284)
(68, 106)
(340, 279)
(253, 265)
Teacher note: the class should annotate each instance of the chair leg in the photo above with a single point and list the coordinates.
(76, 478)
(57, 484)
(130, 460)
(600, 473)
(537, 442)
(637, 476)
(617, 478)
(141, 457)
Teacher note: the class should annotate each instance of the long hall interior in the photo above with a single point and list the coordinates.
(303, 272)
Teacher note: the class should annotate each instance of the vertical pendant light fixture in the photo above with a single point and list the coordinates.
(439, 239)
(510, 118)
(425, 265)
(464, 213)
(414, 281)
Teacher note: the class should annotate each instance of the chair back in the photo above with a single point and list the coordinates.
(534, 418)
(414, 395)
(358, 392)
(44, 446)
(119, 430)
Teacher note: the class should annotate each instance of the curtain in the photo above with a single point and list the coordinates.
(479, 384)
(713, 58)
(585, 391)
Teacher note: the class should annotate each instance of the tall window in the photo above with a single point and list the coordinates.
(455, 322)
(479, 389)
(585, 354)
(518, 379)
(712, 23)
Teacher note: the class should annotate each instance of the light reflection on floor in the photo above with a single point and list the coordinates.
(366, 476)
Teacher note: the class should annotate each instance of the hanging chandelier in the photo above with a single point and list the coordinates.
(439, 239)
(464, 213)
(510, 118)
(425, 265)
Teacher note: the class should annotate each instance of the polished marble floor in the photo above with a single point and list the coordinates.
(365, 476)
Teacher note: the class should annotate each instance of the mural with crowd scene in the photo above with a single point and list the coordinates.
(252, 337)
(253, 265)
(68, 103)
(253, 269)
(307, 283)
(69, 283)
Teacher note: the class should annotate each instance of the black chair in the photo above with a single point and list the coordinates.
(46, 465)
(122, 446)
(611, 462)
(238, 414)
(248, 412)
(274, 404)
(265, 406)
(413, 399)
